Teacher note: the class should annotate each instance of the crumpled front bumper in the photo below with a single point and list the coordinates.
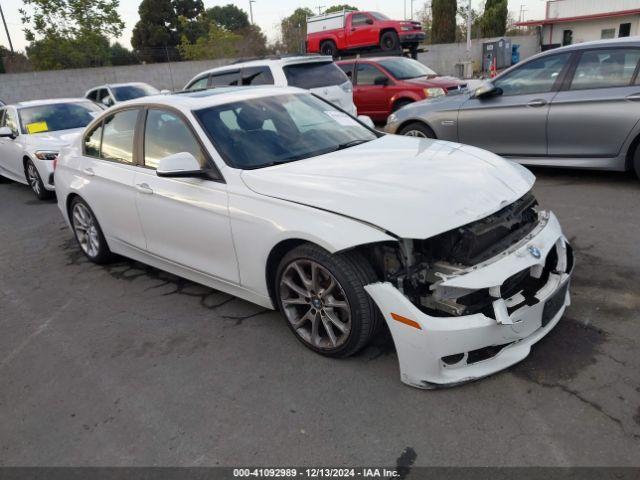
(444, 351)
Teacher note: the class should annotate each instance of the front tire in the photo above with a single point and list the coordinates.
(417, 129)
(88, 232)
(323, 300)
(636, 161)
(35, 182)
(389, 42)
(401, 104)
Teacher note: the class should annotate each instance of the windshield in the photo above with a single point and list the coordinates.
(314, 75)
(379, 16)
(60, 116)
(406, 68)
(129, 92)
(267, 131)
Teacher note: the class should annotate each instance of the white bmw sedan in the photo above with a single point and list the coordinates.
(276, 196)
(32, 134)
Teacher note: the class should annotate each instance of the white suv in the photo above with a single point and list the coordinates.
(315, 73)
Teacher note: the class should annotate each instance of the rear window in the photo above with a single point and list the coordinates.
(130, 92)
(314, 75)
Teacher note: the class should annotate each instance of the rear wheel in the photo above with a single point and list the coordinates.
(88, 232)
(389, 42)
(323, 300)
(636, 161)
(328, 47)
(35, 182)
(417, 129)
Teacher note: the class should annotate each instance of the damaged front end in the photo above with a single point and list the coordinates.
(480, 294)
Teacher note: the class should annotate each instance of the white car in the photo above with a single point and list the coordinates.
(32, 134)
(277, 197)
(109, 95)
(318, 74)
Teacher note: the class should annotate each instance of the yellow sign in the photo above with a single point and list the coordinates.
(37, 127)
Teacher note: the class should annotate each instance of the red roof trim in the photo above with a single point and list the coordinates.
(582, 18)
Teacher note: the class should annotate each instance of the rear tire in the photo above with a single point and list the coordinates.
(636, 161)
(389, 42)
(328, 47)
(323, 300)
(35, 182)
(417, 129)
(88, 232)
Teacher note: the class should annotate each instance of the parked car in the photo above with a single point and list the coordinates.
(574, 106)
(386, 84)
(275, 196)
(315, 73)
(32, 134)
(336, 32)
(109, 95)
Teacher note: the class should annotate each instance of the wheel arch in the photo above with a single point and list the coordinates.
(404, 96)
(388, 29)
(276, 254)
(415, 120)
(631, 152)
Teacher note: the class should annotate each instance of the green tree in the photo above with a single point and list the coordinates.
(443, 28)
(294, 31)
(229, 17)
(219, 43)
(494, 18)
(339, 8)
(57, 52)
(120, 55)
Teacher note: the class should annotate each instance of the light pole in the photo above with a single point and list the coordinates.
(469, 32)
(320, 7)
(6, 30)
(251, 2)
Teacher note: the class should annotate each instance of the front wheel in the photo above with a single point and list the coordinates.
(88, 232)
(323, 299)
(636, 161)
(35, 182)
(417, 129)
(389, 42)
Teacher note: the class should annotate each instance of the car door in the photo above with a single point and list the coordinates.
(515, 122)
(599, 107)
(361, 31)
(371, 99)
(11, 149)
(108, 172)
(185, 220)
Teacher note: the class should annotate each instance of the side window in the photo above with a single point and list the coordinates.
(105, 97)
(257, 76)
(537, 76)
(225, 79)
(11, 121)
(167, 134)
(347, 68)
(93, 95)
(92, 142)
(200, 83)
(359, 19)
(605, 68)
(367, 74)
(117, 137)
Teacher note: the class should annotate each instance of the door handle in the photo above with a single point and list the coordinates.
(144, 188)
(537, 103)
(634, 97)
(89, 171)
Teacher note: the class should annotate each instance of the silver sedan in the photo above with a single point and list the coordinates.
(576, 106)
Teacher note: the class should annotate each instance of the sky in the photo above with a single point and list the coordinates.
(266, 13)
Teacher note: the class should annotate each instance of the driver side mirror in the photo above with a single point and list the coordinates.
(107, 101)
(181, 164)
(381, 80)
(6, 132)
(486, 90)
(369, 21)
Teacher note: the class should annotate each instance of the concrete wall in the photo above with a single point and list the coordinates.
(588, 30)
(443, 57)
(17, 87)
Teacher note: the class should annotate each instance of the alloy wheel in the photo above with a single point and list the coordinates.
(33, 178)
(415, 133)
(315, 304)
(86, 230)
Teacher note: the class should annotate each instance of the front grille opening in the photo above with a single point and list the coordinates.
(475, 356)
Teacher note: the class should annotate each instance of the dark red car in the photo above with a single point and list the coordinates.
(383, 85)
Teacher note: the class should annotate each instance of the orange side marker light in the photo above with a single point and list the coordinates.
(406, 321)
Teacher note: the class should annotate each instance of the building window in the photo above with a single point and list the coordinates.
(625, 30)
(567, 37)
(608, 33)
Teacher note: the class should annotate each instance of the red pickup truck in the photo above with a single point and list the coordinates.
(332, 33)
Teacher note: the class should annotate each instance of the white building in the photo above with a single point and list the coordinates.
(575, 21)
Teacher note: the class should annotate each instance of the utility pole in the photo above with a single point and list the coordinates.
(522, 12)
(405, 9)
(6, 29)
(320, 7)
(251, 2)
(469, 31)
(411, 9)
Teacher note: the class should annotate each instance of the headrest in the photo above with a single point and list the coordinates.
(251, 118)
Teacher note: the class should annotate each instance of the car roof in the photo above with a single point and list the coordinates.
(199, 99)
(371, 59)
(127, 84)
(48, 101)
(270, 61)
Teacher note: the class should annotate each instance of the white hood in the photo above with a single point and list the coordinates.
(413, 188)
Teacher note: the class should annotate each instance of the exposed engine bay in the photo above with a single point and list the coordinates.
(418, 268)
